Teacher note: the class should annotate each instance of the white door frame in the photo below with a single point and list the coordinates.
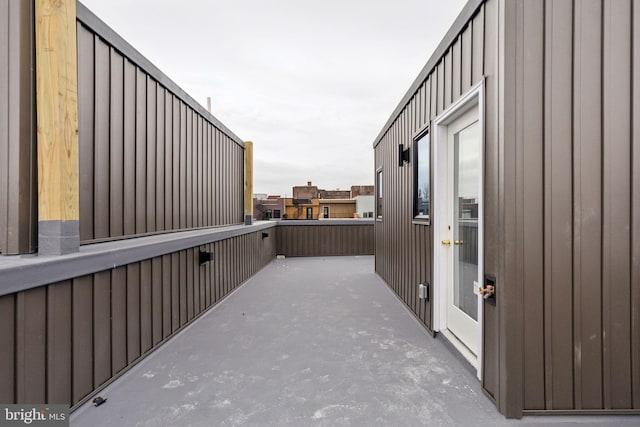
(475, 96)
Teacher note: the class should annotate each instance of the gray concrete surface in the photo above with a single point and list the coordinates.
(306, 342)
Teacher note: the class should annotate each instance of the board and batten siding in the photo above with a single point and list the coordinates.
(403, 247)
(561, 197)
(62, 341)
(18, 171)
(151, 159)
(572, 153)
(322, 238)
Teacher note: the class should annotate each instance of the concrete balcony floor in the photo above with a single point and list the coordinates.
(307, 341)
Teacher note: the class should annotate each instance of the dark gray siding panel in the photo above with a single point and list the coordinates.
(402, 247)
(102, 327)
(160, 161)
(141, 151)
(86, 103)
(7, 350)
(167, 296)
(156, 299)
(118, 320)
(588, 201)
(116, 134)
(31, 351)
(323, 240)
(64, 340)
(488, 19)
(616, 250)
(530, 198)
(102, 152)
(561, 203)
(146, 321)
(147, 149)
(558, 206)
(59, 366)
(18, 179)
(168, 161)
(586, 135)
(133, 312)
(151, 147)
(635, 208)
(129, 149)
(4, 123)
(82, 338)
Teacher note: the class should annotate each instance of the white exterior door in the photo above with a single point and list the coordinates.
(459, 178)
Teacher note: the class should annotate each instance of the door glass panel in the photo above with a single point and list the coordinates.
(465, 217)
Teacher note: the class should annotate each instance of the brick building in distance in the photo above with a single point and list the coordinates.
(267, 207)
(311, 191)
(311, 202)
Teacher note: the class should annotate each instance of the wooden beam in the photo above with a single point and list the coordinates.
(57, 112)
(248, 182)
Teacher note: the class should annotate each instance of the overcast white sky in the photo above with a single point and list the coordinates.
(311, 83)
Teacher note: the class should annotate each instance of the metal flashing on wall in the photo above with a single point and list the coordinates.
(21, 273)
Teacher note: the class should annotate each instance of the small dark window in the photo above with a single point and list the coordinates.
(268, 214)
(309, 213)
(379, 194)
(276, 213)
(325, 211)
(422, 184)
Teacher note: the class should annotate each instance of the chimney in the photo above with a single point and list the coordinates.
(208, 103)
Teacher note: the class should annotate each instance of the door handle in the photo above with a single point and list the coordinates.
(446, 242)
(458, 242)
(487, 292)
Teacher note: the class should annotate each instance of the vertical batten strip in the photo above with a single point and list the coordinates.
(511, 213)
(532, 82)
(141, 151)
(558, 205)
(58, 343)
(617, 207)
(7, 350)
(587, 204)
(160, 162)
(86, 104)
(5, 64)
(129, 108)
(116, 134)
(635, 210)
(57, 113)
(102, 151)
(150, 147)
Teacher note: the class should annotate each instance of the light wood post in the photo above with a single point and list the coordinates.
(248, 183)
(57, 112)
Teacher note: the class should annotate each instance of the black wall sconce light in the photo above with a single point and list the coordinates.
(265, 235)
(403, 155)
(205, 257)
